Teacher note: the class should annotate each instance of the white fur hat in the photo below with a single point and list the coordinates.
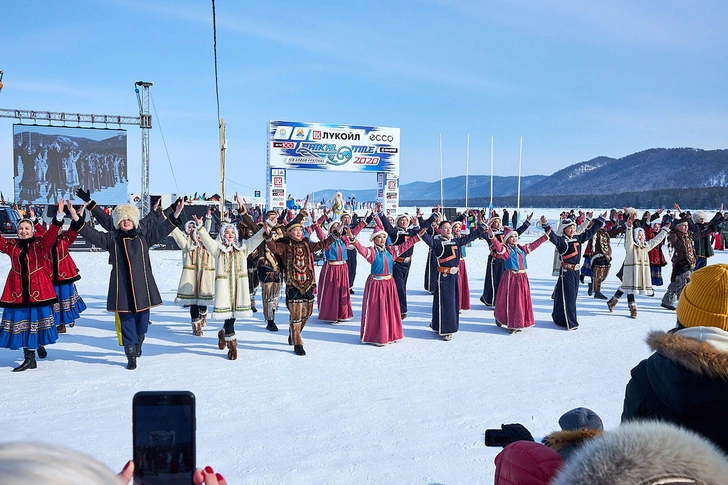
(378, 231)
(700, 217)
(225, 227)
(125, 212)
(636, 232)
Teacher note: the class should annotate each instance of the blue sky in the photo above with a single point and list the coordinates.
(575, 79)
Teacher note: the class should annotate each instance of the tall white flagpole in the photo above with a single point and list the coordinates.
(491, 174)
(467, 163)
(442, 198)
(520, 163)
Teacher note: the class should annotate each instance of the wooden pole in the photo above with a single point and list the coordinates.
(520, 163)
(467, 162)
(223, 147)
(442, 198)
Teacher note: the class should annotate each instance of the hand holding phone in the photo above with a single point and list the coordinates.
(164, 430)
(508, 434)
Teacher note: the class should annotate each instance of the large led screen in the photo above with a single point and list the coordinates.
(51, 162)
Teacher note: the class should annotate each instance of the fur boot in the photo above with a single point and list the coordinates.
(612, 303)
(28, 361)
(203, 317)
(633, 309)
(232, 345)
(221, 340)
(197, 327)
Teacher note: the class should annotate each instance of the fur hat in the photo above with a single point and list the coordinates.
(645, 453)
(704, 301)
(656, 222)
(636, 231)
(271, 213)
(297, 221)
(400, 216)
(682, 220)
(225, 227)
(700, 217)
(124, 212)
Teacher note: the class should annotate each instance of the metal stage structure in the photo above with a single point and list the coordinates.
(143, 121)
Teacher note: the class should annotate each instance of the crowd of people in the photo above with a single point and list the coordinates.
(685, 382)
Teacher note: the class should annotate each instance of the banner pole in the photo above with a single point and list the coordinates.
(491, 174)
(442, 199)
(467, 163)
(520, 164)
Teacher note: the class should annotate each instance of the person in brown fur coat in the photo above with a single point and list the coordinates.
(295, 251)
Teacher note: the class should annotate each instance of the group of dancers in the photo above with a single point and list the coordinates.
(40, 297)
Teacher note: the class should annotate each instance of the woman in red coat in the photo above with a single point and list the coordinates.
(28, 297)
(64, 274)
(657, 257)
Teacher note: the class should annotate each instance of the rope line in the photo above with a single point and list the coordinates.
(214, 49)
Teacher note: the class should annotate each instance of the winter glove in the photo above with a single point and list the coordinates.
(84, 195)
(516, 432)
(170, 210)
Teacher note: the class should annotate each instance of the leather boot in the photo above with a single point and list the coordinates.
(298, 349)
(600, 296)
(42, 352)
(232, 346)
(612, 303)
(61, 328)
(130, 351)
(590, 290)
(632, 309)
(272, 326)
(28, 361)
(139, 345)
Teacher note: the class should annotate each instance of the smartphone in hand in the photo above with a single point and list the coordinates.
(164, 440)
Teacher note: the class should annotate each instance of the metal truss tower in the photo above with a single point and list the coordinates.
(145, 123)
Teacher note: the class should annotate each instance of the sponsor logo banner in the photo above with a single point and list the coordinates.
(320, 146)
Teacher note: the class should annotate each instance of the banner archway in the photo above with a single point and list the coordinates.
(297, 145)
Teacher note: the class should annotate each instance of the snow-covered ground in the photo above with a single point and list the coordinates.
(412, 412)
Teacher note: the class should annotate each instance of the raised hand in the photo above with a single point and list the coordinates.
(543, 221)
(178, 209)
(61, 203)
(604, 215)
(84, 195)
(530, 216)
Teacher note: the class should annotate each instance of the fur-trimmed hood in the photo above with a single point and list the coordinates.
(646, 453)
(699, 349)
(123, 212)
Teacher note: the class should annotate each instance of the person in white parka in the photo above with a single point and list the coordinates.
(196, 289)
(232, 295)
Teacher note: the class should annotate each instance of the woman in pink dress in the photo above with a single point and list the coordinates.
(513, 307)
(381, 321)
(462, 269)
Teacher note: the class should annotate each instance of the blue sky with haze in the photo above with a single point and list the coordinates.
(576, 79)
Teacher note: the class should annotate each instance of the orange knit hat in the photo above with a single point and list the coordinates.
(704, 301)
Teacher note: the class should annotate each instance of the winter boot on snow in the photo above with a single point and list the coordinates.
(272, 326)
(61, 328)
(632, 309)
(612, 303)
(131, 360)
(298, 349)
(203, 317)
(590, 290)
(140, 339)
(42, 352)
(600, 296)
(28, 361)
(232, 346)
(221, 340)
(197, 327)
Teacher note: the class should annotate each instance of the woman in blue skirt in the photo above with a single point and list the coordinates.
(28, 297)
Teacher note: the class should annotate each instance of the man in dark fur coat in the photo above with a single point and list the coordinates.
(686, 380)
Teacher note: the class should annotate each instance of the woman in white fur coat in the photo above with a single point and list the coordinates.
(196, 289)
(637, 275)
(232, 295)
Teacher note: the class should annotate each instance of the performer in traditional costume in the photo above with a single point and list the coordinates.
(446, 301)
(601, 260)
(132, 288)
(28, 297)
(196, 289)
(656, 254)
(495, 268)
(636, 278)
(64, 274)
(381, 322)
(463, 283)
(397, 236)
(431, 262)
(513, 307)
(333, 297)
(568, 246)
(296, 253)
(354, 224)
(232, 293)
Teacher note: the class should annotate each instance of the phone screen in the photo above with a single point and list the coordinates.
(164, 437)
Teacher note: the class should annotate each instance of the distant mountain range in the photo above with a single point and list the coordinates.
(650, 175)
